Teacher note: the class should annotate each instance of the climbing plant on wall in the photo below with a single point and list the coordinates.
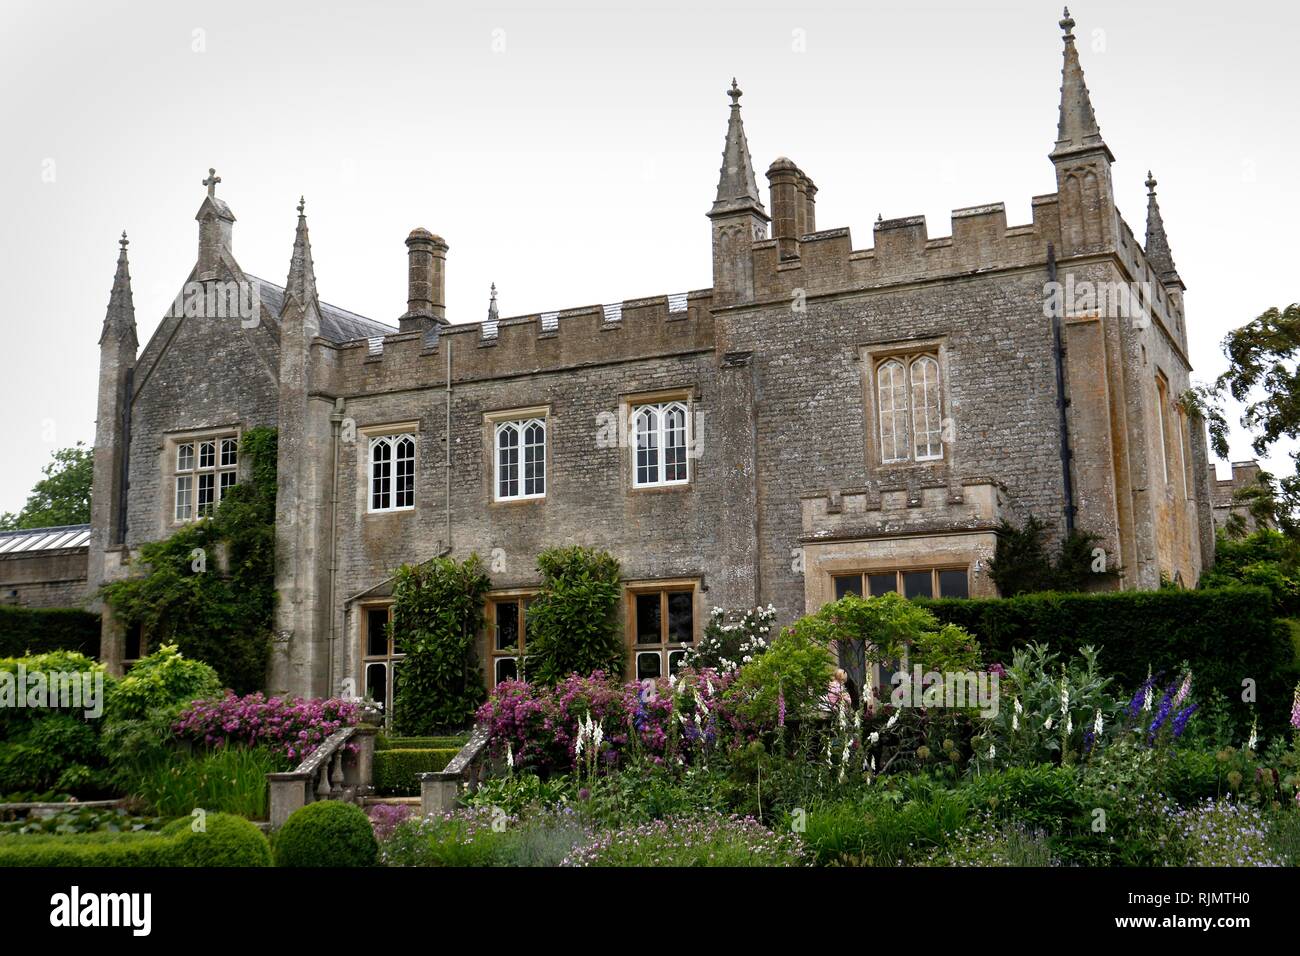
(573, 623)
(437, 617)
(209, 588)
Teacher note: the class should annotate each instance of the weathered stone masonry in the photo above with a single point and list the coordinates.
(781, 364)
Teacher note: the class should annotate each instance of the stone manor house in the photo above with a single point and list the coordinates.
(824, 419)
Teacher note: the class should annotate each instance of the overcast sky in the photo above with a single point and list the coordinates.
(569, 152)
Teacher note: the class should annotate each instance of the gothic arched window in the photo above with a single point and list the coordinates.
(891, 382)
(392, 473)
(909, 400)
(661, 433)
(520, 459)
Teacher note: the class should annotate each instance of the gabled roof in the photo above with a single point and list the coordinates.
(337, 325)
(45, 539)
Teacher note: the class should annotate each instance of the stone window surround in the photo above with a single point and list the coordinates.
(870, 356)
(490, 422)
(627, 405)
(490, 652)
(364, 436)
(171, 442)
(659, 586)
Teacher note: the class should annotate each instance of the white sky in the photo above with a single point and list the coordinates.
(569, 152)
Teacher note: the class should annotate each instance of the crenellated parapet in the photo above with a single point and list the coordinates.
(629, 330)
(976, 505)
(980, 241)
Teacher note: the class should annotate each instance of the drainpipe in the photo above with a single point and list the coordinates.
(446, 541)
(336, 422)
(1062, 403)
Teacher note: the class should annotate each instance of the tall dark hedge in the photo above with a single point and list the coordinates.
(26, 631)
(1226, 635)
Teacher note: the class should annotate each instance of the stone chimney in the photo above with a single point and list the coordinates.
(784, 178)
(426, 296)
(810, 206)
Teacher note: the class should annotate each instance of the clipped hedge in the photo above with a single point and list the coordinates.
(326, 833)
(384, 742)
(1226, 635)
(226, 841)
(25, 630)
(397, 772)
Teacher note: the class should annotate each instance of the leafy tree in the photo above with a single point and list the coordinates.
(62, 496)
(573, 622)
(214, 610)
(1266, 558)
(1262, 373)
(437, 617)
(1021, 564)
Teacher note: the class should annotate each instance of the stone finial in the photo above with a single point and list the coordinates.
(1077, 129)
(1157, 243)
(119, 320)
(301, 284)
(737, 186)
(493, 316)
(211, 181)
(302, 204)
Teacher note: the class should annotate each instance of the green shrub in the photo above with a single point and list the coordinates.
(25, 631)
(226, 841)
(796, 669)
(1042, 797)
(397, 772)
(1225, 636)
(161, 681)
(1021, 564)
(437, 617)
(881, 831)
(573, 625)
(327, 833)
(227, 779)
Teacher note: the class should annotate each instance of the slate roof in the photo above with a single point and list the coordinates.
(44, 539)
(337, 325)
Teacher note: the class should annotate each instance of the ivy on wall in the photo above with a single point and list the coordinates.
(437, 616)
(210, 587)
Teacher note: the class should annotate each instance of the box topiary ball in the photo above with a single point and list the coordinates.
(225, 840)
(327, 833)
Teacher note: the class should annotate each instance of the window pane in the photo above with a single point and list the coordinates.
(848, 584)
(535, 459)
(648, 665)
(674, 418)
(228, 480)
(134, 641)
(647, 446)
(404, 486)
(675, 661)
(184, 485)
(207, 493)
(882, 583)
(229, 452)
(377, 682)
(507, 461)
(377, 632)
(207, 454)
(507, 614)
(926, 425)
(953, 584)
(648, 622)
(681, 617)
(918, 584)
(892, 392)
(381, 455)
(184, 457)
(507, 668)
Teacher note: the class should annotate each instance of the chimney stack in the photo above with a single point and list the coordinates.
(787, 204)
(426, 297)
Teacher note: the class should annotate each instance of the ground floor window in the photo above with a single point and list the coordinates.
(953, 582)
(662, 628)
(379, 655)
(507, 637)
(133, 646)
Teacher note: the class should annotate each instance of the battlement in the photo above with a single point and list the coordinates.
(980, 241)
(977, 504)
(589, 335)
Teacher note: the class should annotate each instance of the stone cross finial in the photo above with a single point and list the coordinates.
(1151, 183)
(302, 204)
(211, 181)
(734, 93)
(1067, 24)
(123, 242)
